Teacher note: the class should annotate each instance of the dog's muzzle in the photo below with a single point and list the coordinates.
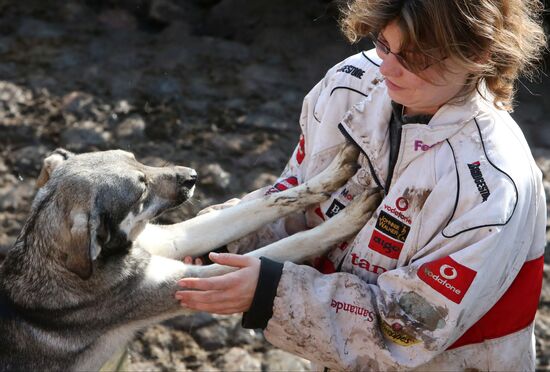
(186, 178)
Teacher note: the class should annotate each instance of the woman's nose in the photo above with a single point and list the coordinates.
(390, 66)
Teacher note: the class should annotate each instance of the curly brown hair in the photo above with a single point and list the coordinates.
(496, 40)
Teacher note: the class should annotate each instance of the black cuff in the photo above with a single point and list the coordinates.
(261, 309)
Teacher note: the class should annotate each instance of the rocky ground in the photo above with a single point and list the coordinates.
(212, 84)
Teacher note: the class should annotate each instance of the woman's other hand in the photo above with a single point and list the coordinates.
(225, 294)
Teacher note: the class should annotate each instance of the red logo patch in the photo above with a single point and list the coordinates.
(447, 277)
(319, 213)
(283, 185)
(385, 245)
(301, 152)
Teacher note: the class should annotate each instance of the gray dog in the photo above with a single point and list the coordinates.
(76, 286)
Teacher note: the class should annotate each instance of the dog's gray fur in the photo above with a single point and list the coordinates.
(74, 287)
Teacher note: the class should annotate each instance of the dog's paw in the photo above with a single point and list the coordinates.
(360, 210)
(342, 168)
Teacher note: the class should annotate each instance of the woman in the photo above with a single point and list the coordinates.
(447, 274)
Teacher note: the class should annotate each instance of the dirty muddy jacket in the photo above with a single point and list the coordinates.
(447, 273)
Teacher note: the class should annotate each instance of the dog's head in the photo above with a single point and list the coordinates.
(101, 201)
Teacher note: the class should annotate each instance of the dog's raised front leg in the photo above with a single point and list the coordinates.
(206, 232)
(315, 242)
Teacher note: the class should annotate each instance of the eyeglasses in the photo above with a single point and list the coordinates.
(413, 61)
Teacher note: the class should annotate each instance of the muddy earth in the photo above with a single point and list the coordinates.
(215, 85)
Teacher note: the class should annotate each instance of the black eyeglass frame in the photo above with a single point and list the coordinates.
(385, 49)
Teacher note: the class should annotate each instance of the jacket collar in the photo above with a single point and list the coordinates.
(367, 122)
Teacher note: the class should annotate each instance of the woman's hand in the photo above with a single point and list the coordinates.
(225, 294)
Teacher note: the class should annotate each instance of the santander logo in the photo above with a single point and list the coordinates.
(447, 277)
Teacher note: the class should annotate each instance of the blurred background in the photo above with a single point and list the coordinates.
(212, 84)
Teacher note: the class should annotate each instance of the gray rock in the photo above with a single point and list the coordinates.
(118, 19)
(188, 323)
(16, 198)
(211, 337)
(12, 93)
(163, 86)
(67, 59)
(237, 359)
(131, 128)
(38, 29)
(213, 175)
(85, 136)
(242, 336)
(6, 44)
(279, 360)
(77, 102)
(168, 11)
(28, 160)
(261, 120)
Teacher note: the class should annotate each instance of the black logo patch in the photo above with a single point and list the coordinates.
(479, 180)
(352, 70)
(392, 226)
(334, 208)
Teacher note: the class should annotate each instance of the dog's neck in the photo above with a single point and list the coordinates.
(7, 309)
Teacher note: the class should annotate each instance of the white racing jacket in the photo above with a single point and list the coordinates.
(447, 273)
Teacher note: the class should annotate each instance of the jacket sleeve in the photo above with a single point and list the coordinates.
(414, 312)
(292, 175)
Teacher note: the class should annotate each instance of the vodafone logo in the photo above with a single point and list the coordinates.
(448, 272)
(402, 204)
(447, 277)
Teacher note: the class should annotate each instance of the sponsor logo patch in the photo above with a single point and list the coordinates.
(353, 309)
(392, 226)
(366, 265)
(397, 335)
(335, 208)
(398, 214)
(343, 246)
(319, 213)
(346, 194)
(352, 70)
(384, 245)
(447, 277)
(283, 185)
(479, 180)
(421, 146)
(301, 152)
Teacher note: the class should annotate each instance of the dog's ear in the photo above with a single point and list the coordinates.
(86, 232)
(57, 157)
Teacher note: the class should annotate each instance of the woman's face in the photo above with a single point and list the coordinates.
(418, 95)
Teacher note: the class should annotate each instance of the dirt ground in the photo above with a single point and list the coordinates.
(212, 84)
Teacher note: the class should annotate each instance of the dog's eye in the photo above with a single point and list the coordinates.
(143, 179)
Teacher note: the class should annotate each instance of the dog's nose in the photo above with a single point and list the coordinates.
(187, 178)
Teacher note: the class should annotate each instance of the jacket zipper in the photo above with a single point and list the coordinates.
(395, 145)
(374, 175)
(396, 129)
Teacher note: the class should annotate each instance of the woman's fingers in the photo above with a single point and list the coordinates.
(207, 284)
(230, 259)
